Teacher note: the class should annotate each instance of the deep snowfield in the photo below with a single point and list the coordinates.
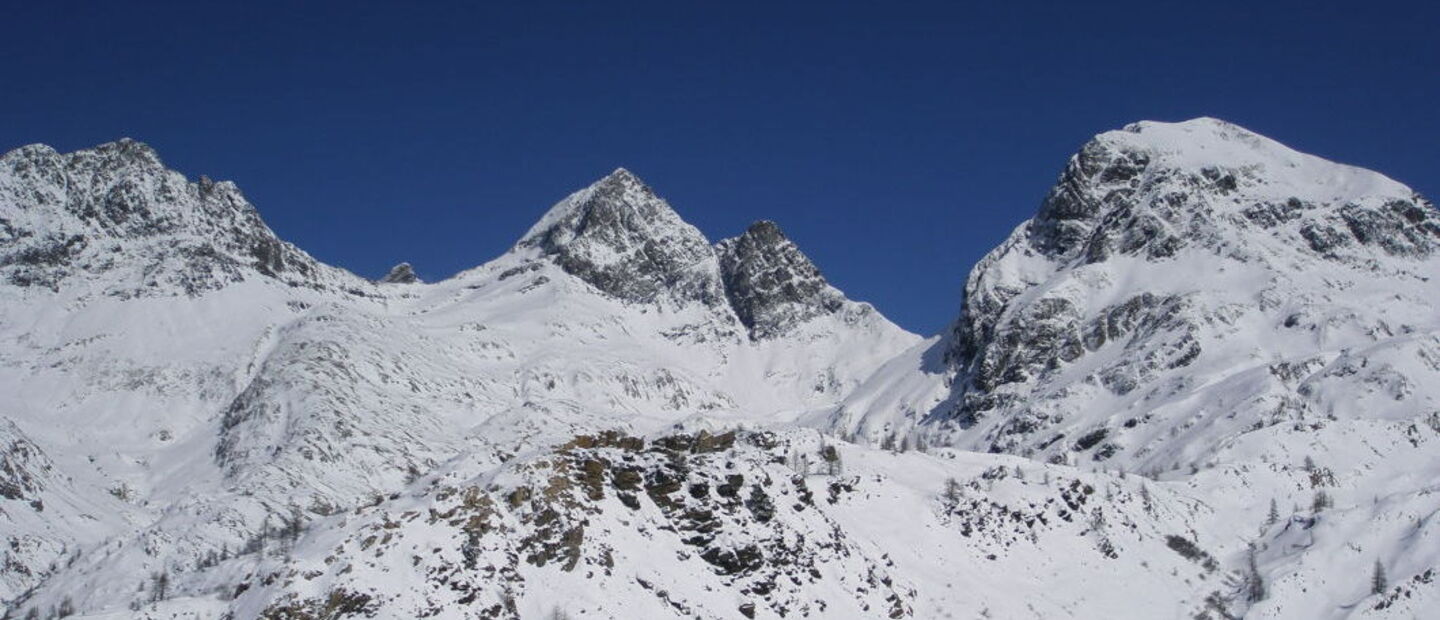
(619, 419)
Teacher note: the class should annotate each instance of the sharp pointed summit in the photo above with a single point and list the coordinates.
(619, 191)
(623, 239)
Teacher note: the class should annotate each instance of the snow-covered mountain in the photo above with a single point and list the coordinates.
(1199, 384)
(1176, 258)
(1198, 303)
(186, 376)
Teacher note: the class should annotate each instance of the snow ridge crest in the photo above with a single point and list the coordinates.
(116, 213)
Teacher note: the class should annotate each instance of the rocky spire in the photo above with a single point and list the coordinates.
(400, 274)
(771, 284)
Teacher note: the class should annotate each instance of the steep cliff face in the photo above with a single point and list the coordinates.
(772, 286)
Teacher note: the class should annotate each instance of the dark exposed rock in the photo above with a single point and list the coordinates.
(734, 561)
(1068, 214)
(771, 285)
(700, 443)
(731, 487)
(1400, 228)
(338, 603)
(1090, 439)
(515, 271)
(23, 467)
(759, 504)
(1190, 551)
(400, 274)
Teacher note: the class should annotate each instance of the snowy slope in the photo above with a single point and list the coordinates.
(617, 528)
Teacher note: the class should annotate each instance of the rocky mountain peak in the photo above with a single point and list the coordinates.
(626, 241)
(400, 274)
(622, 177)
(771, 284)
(619, 201)
(1130, 269)
(116, 209)
(1152, 188)
(122, 153)
(765, 232)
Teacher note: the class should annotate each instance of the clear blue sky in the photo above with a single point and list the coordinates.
(895, 142)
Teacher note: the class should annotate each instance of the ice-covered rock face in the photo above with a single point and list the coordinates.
(1167, 253)
(621, 238)
(116, 210)
(772, 285)
(1152, 188)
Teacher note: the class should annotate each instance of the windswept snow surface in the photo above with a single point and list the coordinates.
(618, 418)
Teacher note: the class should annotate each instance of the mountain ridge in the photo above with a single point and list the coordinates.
(1200, 369)
(191, 419)
(199, 235)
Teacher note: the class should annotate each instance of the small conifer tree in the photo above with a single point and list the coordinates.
(1378, 582)
(1254, 582)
